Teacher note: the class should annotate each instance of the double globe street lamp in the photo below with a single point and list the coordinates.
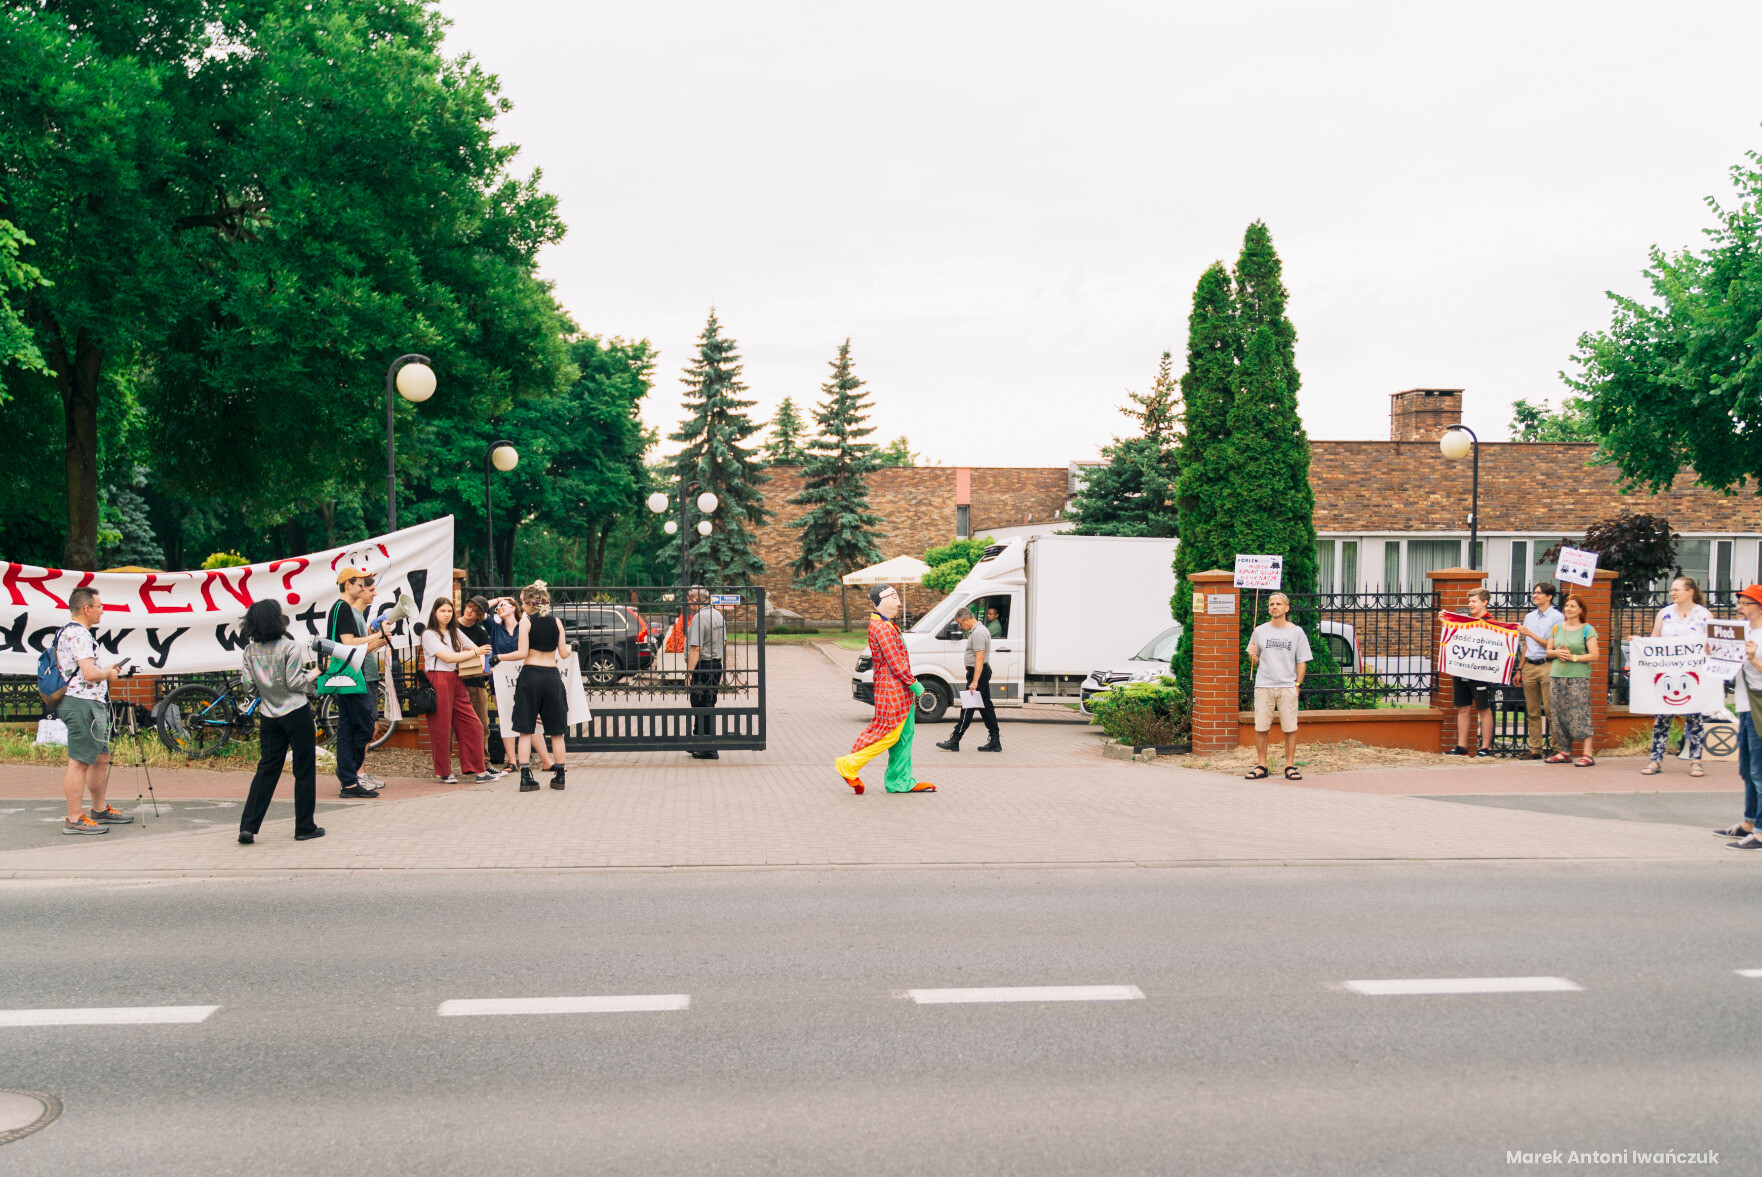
(1457, 443)
(504, 457)
(706, 505)
(413, 380)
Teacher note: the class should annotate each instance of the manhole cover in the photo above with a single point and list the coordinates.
(23, 1112)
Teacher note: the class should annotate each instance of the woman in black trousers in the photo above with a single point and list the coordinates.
(275, 669)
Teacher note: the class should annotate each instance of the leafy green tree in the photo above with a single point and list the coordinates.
(716, 455)
(1570, 423)
(17, 345)
(897, 452)
(1208, 389)
(950, 563)
(838, 529)
(783, 447)
(1132, 492)
(254, 205)
(1678, 381)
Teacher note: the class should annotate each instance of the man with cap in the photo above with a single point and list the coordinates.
(347, 624)
(1749, 708)
(896, 695)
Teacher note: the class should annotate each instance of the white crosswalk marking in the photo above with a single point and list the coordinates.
(621, 1004)
(1027, 993)
(1749, 972)
(136, 1015)
(1448, 985)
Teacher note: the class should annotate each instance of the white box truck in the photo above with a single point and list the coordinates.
(1064, 604)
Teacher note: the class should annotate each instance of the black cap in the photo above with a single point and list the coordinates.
(481, 605)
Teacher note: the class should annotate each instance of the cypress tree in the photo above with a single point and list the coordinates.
(1207, 389)
(1133, 492)
(838, 530)
(715, 454)
(783, 447)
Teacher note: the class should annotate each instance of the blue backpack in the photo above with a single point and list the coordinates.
(51, 683)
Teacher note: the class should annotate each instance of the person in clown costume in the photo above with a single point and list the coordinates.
(896, 703)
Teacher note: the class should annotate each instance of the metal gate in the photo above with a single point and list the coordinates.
(631, 646)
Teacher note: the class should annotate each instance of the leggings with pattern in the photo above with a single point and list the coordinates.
(1661, 735)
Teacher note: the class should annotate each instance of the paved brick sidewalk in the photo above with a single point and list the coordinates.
(1050, 798)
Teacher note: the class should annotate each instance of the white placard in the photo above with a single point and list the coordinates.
(972, 701)
(1480, 651)
(505, 675)
(1576, 566)
(1260, 572)
(1670, 676)
(1725, 647)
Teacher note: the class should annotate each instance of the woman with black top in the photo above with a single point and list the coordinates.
(538, 692)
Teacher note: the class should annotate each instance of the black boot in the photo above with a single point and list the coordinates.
(953, 743)
(991, 745)
(527, 784)
(557, 776)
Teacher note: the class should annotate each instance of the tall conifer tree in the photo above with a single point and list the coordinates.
(1207, 391)
(783, 447)
(715, 454)
(1133, 492)
(838, 530)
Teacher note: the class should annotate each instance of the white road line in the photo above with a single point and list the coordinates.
(1749, 972)
(1027, 993)
(137, 1015)
(1434, 985)
(623, 1004)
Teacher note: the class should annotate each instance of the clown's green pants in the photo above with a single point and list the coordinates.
(899, 757)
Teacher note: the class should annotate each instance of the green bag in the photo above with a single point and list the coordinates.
(340, 678)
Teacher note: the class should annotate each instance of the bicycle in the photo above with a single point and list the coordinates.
(198, 720)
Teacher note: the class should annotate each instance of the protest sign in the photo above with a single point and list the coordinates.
(1260, 572)
(1670, 676)
(183, 622)
(1725, 647)
(1576, 567)
(505, 674)
(1480, 649)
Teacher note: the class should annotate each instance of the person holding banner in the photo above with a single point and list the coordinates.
(1537, 629)
(1749, 708)
(1685, 617)
(539, 696)
(1281, 656)
(1572, 647)
(1467, 691)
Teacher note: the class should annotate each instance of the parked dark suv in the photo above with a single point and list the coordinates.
(610, 641)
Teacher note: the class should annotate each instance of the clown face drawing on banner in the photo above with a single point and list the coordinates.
(1671, 676)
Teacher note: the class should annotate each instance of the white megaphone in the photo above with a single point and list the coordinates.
(353, 656)
(403, 610)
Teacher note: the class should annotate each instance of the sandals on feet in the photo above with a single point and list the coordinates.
(1291, 773)
(1653, 768)
(1558, 758)
(1695, 769)
(1583, 762)
(1257, 774)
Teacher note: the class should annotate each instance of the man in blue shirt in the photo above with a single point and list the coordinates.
(1538, 625)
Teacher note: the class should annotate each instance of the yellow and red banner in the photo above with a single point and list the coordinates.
(1478, 648)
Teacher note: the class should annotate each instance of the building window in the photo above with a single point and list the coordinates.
(963, 522)
(1694, 557)
(1520, 565)
(1349, 566)
(1427, 555)
(1723, 580)
(1324, 565)
(1392, 566)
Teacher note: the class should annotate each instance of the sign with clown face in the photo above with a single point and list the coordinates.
(1671, 676)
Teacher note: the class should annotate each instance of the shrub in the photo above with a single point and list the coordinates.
(1145, 713)
(224, 560)
(950, 563)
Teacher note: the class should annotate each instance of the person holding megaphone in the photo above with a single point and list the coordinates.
(274, 666)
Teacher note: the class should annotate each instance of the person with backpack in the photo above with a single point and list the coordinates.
(84, 705)
(347, 625)
(274, 666)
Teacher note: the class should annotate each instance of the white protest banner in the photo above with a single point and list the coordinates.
(1670, 676)
(1480, 648)
(1576, 566)
(1725, 647)
(1260, 572)
(506, 674)
(182, 622)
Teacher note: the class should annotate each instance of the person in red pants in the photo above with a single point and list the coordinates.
(443, 648)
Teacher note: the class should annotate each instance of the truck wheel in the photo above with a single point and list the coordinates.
(934, 701)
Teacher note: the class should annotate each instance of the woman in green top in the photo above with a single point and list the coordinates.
(1573, 647)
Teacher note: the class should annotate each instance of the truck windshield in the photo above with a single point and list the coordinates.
(935, 619)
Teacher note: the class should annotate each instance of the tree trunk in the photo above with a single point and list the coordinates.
(844, 603)
(296, 537)
(327, 511)
(77, 378)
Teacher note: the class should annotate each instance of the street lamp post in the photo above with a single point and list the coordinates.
(413, 380)
(706, 505)
(1456, 447)
(504, 457)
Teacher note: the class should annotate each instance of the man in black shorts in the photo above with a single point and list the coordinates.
(1466, 691)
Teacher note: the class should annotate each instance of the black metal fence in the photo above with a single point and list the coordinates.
(632, 644)
(1380, 645)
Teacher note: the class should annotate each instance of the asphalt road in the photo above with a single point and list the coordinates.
(1709, 811)
(797, 1053)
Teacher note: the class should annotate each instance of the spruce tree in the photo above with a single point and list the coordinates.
(838, 530)
(1207, 390)
(715, 455)
(783, 447)
(1133, 492)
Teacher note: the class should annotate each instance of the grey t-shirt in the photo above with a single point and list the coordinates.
(709, 629)
(978, 642)
(1282, 647)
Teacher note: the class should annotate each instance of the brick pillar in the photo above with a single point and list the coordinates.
(135, 689)
(1217, 663)
(1599, 614)
(1451, 585)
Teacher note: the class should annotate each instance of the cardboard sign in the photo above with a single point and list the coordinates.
(1260, 572)
(1479, 649)
(506, 676)
(1576, 567)
(1216, 603)
(1670, 676)
(1725, 647)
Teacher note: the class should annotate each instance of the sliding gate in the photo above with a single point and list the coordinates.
(630, 644)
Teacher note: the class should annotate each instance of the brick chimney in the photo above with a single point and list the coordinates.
(1422, 414)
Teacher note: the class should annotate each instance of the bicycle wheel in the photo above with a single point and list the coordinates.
(197, 720)
(327, 718)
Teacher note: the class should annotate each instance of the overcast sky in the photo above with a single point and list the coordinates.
(1005, 206)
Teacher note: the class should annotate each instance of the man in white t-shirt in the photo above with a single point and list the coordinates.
(85, 708)
(1280, 653)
